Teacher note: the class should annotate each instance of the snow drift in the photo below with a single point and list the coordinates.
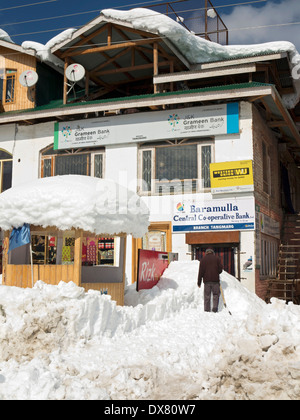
(58, 342)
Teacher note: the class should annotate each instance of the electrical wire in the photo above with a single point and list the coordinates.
(27, 5)
(117, 7)
(162, 37)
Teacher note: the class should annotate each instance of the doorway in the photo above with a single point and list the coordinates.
(226, 254)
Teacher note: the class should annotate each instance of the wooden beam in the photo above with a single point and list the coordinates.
(78, 257)
(110, 60)
(280, 123)
(113, 47)
(201, 74)
(109, 34)
(83, 41)
(134, 68)
(286, 116)
(65, 88)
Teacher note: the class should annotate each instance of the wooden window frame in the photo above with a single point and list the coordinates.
(90, 160)
(152, 148)
(13, 76)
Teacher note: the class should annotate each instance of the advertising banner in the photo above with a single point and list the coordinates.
(151, 265)
(214, 215)
(157, 125)
(227, 177)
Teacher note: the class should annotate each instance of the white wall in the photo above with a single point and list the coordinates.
(121, 165)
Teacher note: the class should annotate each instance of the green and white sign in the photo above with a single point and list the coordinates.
(142, 127)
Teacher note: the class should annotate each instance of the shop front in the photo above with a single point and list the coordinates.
(81, 240)
(226, 225)
(225, 244)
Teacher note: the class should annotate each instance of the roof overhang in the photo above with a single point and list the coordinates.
(230, 93)
(16, 47)
(278, 116)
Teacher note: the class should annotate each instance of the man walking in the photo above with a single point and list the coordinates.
(210, 270)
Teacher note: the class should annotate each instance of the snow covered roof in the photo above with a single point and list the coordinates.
(74, 201)
(4, 36)
(190, 49)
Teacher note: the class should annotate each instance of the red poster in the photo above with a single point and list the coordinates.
(151, 265)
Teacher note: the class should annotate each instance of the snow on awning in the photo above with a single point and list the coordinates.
(74, 201)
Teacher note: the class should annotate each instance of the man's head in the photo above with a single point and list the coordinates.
(209, 251)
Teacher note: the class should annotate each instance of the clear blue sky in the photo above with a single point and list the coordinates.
(41, 20)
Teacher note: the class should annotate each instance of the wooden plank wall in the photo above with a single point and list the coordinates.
(115, 290)
(20, 62)
(20, 275)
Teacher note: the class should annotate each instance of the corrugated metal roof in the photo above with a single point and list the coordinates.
(59, 103)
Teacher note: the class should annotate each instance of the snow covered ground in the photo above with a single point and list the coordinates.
(58, 342)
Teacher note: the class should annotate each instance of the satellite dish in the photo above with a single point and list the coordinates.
(28, 78)
(75, 72)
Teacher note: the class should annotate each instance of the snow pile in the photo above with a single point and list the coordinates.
(74, 201)
(58, 342)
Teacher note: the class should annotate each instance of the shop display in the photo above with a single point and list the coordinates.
(43, 249)
(95, 250)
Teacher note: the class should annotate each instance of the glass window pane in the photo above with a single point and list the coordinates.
(205, 162)
(7, 175)
(72, 165)
(47, 168)
(5, 155)
(176, 168)
(178, 162)
(10, 87)
(147, 172)
(98, 166)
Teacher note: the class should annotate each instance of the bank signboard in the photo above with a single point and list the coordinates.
(214, 215)
(228, 177)
(141, 127)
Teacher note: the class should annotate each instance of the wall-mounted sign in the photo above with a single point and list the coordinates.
(214, 215)
(159, 125)
(227, 177)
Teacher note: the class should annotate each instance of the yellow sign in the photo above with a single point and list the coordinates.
(231, 176)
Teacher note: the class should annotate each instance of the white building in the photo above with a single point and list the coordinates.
(206, 134)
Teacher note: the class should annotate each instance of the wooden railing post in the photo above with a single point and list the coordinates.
(78, 256)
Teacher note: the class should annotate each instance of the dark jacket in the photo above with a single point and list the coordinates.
(210, 269)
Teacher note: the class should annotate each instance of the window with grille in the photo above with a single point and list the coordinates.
(175, 167)
(72, 162)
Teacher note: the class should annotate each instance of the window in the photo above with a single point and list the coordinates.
(72, 162)
(266, 169)
(9, 86)
(5, 170)
(175, 167)
(59, 248)
(269, 256)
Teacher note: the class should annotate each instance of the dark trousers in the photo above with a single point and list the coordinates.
(211, 288)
